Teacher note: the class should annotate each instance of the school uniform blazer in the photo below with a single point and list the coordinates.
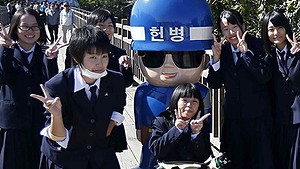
(114, 55)
(87, 126)
(17, 81)
(167, 143)
(246, 89)
(286, 88)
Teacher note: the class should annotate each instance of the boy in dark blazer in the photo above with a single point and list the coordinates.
(83, 105)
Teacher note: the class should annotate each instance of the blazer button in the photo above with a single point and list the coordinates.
(88, 147)
(235, 74)
(92, 121)
(91, 134)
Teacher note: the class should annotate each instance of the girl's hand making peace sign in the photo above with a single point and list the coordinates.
(180, 123)
(295, 45)
(5, 40)
(242, 44)
(217, 48)
(197, 124)
(53, 50)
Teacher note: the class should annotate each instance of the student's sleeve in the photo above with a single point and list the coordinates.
(259, 65)
(214, 78)
(7, 73)
(161, 142)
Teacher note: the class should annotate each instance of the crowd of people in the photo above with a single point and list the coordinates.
(73, 119)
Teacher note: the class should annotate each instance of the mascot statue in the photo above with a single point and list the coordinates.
(170, 37)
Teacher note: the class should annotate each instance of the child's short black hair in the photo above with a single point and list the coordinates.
(87, 39)
(99, 16)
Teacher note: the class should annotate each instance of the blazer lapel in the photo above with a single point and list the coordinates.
(230, 63)
(103, 93)
(17, 55)
(80, 98)
(290, 59)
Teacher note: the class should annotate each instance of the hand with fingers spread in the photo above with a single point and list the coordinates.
(179, 122)
(53, 105)
(217, 48)
(197, 124)
(125, 61)
(5, 40)
(53, 50)
(242, 44)
(295, 45)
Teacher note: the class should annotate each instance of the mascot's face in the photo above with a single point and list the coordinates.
(172, 68)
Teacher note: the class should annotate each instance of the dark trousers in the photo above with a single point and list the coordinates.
(53, 31)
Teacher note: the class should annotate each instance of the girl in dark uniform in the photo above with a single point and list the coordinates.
(23, 67)
(181, 133)
(283, 49)
(238, 66)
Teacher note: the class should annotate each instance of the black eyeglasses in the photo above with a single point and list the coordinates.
(182, 59)
(26, 28)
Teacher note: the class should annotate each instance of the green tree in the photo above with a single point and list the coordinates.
(253, 11)
(120, 8)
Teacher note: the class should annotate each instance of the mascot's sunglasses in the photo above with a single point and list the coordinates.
(182, 59)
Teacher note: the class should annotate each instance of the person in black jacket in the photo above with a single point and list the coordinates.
(178, 133)
(239, 66)
(84, 104)
(23, 67)
(282, 48)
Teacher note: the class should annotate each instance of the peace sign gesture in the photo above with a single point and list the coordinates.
(52, 51)
(242, 44)
(295, 45)
(5, 40)
(197, 124)
(52, 105)
(217, 48)
(179, 122)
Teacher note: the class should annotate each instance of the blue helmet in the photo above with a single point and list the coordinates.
(171, 25)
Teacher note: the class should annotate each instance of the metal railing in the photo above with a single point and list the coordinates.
(122, 39)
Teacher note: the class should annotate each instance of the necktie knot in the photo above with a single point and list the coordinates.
(238, 54)
(26, 55)
(281, 54)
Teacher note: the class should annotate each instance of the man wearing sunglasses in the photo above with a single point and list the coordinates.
(170, 38)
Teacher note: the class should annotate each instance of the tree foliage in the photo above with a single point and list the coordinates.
(253, 11)
(120, 8)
